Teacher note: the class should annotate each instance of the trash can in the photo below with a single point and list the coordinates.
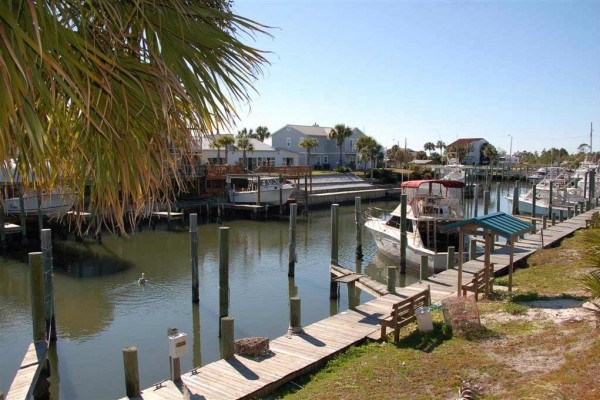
(424, 322)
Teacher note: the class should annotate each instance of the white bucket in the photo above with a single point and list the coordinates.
(424, 322)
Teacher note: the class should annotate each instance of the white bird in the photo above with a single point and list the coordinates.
(142, 280)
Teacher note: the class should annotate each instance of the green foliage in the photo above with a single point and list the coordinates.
(515, 309)
(525, 297)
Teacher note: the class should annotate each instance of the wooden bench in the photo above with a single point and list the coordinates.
(403, 313)
(477, 283)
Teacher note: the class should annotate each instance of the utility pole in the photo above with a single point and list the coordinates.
(510, 152)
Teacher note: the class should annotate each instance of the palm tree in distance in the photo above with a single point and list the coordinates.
(245, 132)
(340, 132)
(368, 147)
(308, 144)
(217, 145)
(244, 144)
(224, 141)
(262, 133)
(429, 146)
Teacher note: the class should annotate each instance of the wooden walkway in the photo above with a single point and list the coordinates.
(27, 375)
(295, 355)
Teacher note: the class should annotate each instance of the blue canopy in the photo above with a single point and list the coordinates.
(499, 223)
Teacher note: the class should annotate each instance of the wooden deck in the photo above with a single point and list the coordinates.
(294, 355)
(27, 375)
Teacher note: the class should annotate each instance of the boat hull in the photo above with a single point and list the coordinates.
(270, 196)
(56, 204)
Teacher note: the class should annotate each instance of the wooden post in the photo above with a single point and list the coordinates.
(306, 192)
(333, 287)
(450, 258)
(515, 203)
(223, 273)
(2, 231)
(174, 363)
(560, 216)
(498, 196)
(472, 249)
(403, 240)
(280, 194)
(292, 257)
(475, 200)
(227, 337)
(534, 200)
(510, 263)
(36, 280)
(22, 215)
(576, 209)
(550, 198)
(553, 218)
(48, 284)
(424, 270)
(544, 221)
(461, 246)
(258, 190)
(357, 221)
(486, 262)
(334, 234)
(486, 202)
(585, 184)
(197, 348)
(295, 316)
(591, 192)
(132, 376)
(353, 297)
(194, 257)
(391, 279)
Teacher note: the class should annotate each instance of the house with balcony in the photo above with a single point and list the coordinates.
(327, 153)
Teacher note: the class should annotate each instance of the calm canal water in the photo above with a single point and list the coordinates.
(99, 314)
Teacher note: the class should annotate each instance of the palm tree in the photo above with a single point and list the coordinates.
(429, 146)
(100, 93)
(245, 132)
(308, 144)
(244, 144)
(368, 148)
(217, 145)
(227, 141)
(340, 132)
(440, 145)
(262, 133)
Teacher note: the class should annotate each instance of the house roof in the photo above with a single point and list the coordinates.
(314, 130)
(207, 144)
(499, 223)
(464, 142)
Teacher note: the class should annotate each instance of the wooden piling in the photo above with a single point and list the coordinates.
(353, 295)
(510, 263)
(2, 230)
(194, 257)
(280, 194)
(174, 363)
(36, 279)
(424, 270)
(461, 246)
(292, 256)
(550, 198)
(333, 287)
(472, 249)
(48, 284)
(403, 240)
(223, 272)
(391, 279)
(533, 200)
(358, 222)
(227, 337)
(515, 203)
(450, 258)
(334, 234)
(306, 192)
(22, 217)
(486, 202)
(498, 196)
(295, 316)
(476, 200)
(544, 221)
(258, 190)
(553, 219)
(132, 376)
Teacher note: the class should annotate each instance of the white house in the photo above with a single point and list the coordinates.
(262, 154)
(472, 148)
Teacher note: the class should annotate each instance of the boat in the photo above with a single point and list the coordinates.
(248, 189)
(431, 203)
(55, 203)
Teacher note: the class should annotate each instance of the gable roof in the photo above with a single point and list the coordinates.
(499, 223)
(314, 130)
(464, 142)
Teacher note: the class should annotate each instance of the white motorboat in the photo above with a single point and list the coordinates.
(55, 203)
(255, 189)
(430, 204)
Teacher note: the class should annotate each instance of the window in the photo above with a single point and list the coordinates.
(289, 142)
(318, 160)
(351, 145)
(288, 161)
(325, 159)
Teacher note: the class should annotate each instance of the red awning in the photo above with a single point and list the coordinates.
(443, 182)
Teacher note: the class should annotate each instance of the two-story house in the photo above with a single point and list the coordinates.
(327, 153)
(469, 151)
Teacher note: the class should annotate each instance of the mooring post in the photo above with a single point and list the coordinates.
(553, 218)
(194, 257)
(450, 258)
(424, 270)
(476, 200)
(227, 337)
(36, 280)
(515, 203)
(333, 288)
(223, 273)
(550, 198)
(511, 254)
(472, 249)
(486, 202)
(132, 376)
(295, 316)
(22, 216)
(575, 209)
(174, 362)
(197, 348)
(544, 221)
(391, 279)
(585, 184)
(461, 246)
(292, 256)
(48, 283)
(258, 190)
(306, 192)
(280, 194)
(353, 296)
(334, 234)
(560, 216)
(403, 240)
(497, 196)
(533, 200)
(591, 191)
(2, 231)
(357, 221)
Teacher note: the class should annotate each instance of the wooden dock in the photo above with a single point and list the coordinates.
(23, 385)
(293, 355)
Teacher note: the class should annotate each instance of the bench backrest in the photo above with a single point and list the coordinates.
(407, 307)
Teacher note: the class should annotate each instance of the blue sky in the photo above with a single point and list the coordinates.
(428, 71)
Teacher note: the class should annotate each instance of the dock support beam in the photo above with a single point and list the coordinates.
(223, 274)
(194, 257)
(292, 256)
(403, 240)
(533, 200)
(295, 316)
(391, 279)
(132, 376)
(48, 284)
(36, 279)
(515, 203)
(497, 196)
(334, 234)
(227, 347)
(357, 221)
(486, 202)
